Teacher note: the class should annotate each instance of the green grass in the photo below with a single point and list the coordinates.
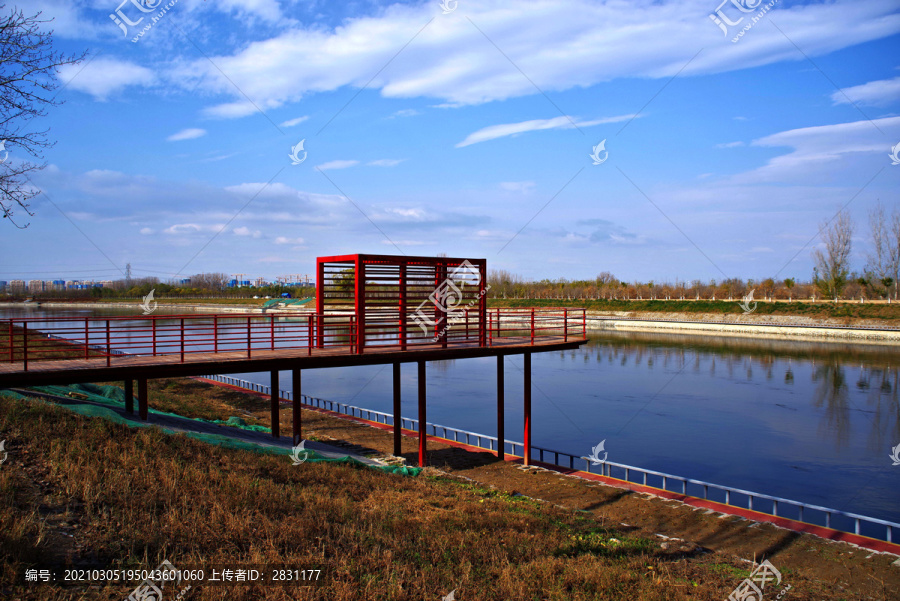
(818, 310)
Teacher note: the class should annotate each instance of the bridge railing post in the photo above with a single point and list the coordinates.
(216, 334)
(153, 330)
(182, 339)
(108, 351)
(309, 335)
(87, 338)
(25, 344)
(248, 337)
(11, 342)
(532, 326)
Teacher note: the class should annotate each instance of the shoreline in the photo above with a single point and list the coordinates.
(779, 327)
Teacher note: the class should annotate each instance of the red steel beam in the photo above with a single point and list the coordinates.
(422, 416)
(527, 435)
(273, 403)
(142, 398)
(129, 396)
(501, 450)
(296, 418)
(397, 416)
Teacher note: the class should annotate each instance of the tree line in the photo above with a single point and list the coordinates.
(832, 277)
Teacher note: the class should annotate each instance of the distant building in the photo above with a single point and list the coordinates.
(35, 286)
(17, 286)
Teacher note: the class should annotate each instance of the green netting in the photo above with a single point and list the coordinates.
(109, 397)
(287, 301)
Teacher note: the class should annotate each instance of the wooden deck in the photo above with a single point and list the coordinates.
(74, 371)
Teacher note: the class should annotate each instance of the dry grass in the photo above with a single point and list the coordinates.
(109, 496)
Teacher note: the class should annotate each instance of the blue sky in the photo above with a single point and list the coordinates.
(468, 133)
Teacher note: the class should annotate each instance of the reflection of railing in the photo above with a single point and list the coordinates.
(734, 497)
(40, 339)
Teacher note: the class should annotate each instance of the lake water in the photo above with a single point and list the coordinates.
(809, 421)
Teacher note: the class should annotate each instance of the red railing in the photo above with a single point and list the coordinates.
(55, 338)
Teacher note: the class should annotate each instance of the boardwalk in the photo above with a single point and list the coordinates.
(121, 367)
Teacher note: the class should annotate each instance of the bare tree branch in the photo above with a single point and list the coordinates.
(28, 67)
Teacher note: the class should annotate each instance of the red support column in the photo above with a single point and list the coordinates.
(273, 403)
(320, 303)
(142, 399)
(422, 416)
(129, 396)
(360, 304)
(403, 316)
(444, 324)
(482, 303)
(397, 417)
(527, 435)
(296, 418)
(501, 448)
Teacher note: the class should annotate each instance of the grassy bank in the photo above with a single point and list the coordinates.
(819, 310)
(107, 496)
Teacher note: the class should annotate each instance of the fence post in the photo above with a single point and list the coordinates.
(107, 344)
(309, 335)
(153, 327)
(216, 334)
(11, 355)
(182, 339)
(272, 330)
(87, 337)
(532, 326)
(25, 344)
(248, 336)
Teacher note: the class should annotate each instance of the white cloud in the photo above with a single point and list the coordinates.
(385, 162)
(285, 240)
(246, 231)
(523, 187)
(230, 110)
(408, 214)
(493, 132)
(406, 113)
(730, 145)
(336, 165)
(187, 134)
(293, 122)
(267, 10)
(104, 76)
(820, 150)
(560, 44)
(146, 231)
(192, 228)
(874, 93)
(68, 22)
